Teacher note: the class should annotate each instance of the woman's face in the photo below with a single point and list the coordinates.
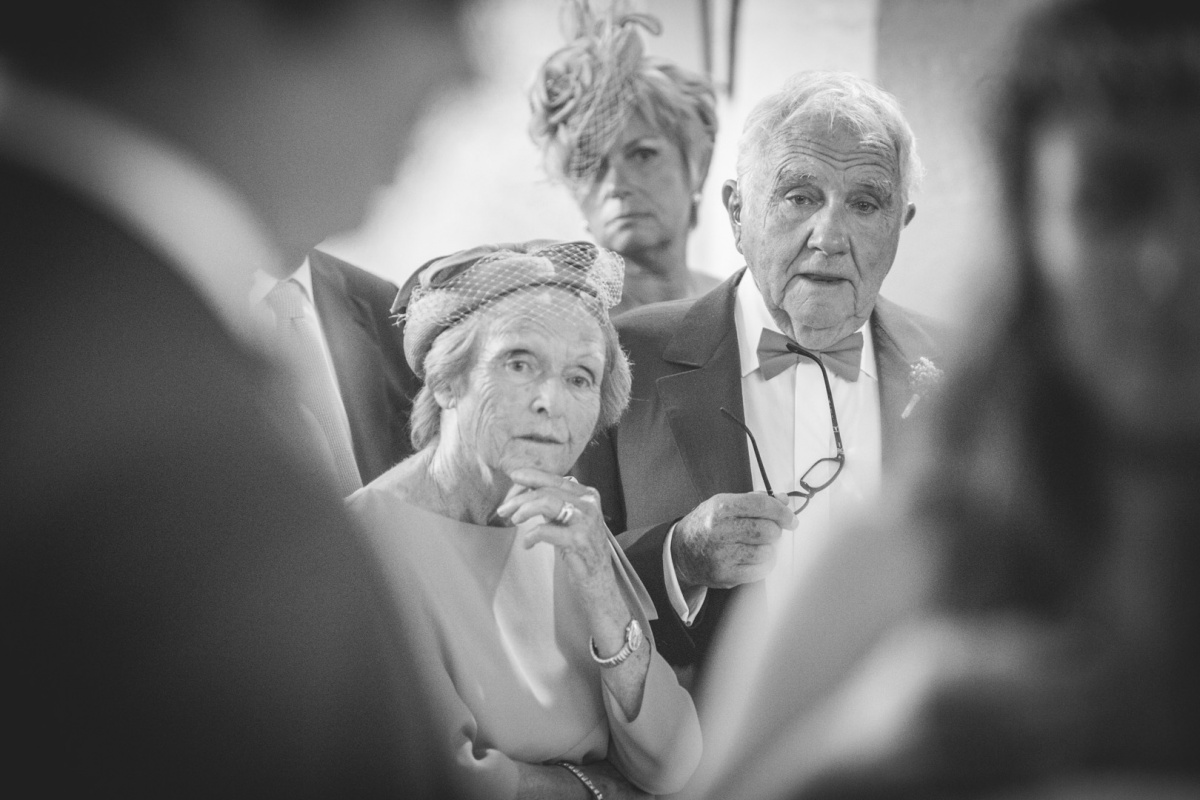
(1115, 222)
(642, 198)
(532, 398)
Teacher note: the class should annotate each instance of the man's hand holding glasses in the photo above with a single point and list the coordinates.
(729, 539)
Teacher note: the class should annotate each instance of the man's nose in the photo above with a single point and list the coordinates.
(829, 234)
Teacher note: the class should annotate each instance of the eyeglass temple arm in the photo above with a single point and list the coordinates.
(762, 470)
(837, 433)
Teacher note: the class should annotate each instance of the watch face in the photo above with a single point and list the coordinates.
(635, 635)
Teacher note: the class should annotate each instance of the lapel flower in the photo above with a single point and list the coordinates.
(923, 378)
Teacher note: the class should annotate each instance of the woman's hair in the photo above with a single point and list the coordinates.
(842, 98)
(1016, 488)
(1108, 59)
(587, 91)
(452, 356)
(1016, 499)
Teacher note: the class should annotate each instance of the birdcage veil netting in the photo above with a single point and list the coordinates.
(585, 92)
(537, 282)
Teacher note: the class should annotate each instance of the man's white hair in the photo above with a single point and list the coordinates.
(843, 98)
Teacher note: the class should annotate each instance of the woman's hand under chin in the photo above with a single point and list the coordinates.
(574, 523)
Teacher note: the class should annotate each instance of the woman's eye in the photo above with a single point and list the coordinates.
(644, 154)
(518, 365)
(581, 381)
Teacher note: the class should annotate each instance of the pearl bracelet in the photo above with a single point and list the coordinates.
(578, 773)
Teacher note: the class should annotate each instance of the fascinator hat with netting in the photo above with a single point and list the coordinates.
(544, 278)
(586, 92)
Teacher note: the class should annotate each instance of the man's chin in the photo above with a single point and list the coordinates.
(817, 326)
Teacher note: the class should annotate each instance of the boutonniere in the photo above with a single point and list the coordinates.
(923, 378)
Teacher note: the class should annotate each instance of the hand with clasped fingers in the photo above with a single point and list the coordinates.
(729, 539)
(585, 544)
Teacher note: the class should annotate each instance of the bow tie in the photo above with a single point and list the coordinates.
(774, 356)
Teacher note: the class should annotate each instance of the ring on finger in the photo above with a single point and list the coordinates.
(564, 514)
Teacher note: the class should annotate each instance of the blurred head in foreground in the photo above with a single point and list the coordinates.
(303, 106)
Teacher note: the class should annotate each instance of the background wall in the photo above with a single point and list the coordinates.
(474, 175)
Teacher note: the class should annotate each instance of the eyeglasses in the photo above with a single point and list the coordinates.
(824, 471)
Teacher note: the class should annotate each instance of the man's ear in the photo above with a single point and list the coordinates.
(910, 213)
(731, 198)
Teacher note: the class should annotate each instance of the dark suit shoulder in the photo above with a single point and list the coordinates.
(359, 281)
(913, 333)
(654, 319)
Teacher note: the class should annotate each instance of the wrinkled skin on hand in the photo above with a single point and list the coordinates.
(729, 539)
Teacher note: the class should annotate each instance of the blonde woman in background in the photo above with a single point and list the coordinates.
(631, 136)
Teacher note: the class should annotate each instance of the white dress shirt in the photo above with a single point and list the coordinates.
(789, 416)
(264, 283)
(261, 286)
(196, 221)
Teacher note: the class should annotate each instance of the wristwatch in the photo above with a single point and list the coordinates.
(633, 640)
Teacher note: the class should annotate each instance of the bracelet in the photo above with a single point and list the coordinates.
(578, 773)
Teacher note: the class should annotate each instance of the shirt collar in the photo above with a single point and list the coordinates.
(181, 209)
(264, 282)
(751, 315)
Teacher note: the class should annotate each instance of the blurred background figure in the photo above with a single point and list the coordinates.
(631, 136)
(190, 613)
(1045, 568)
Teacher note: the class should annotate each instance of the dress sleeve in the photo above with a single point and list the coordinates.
(660, 748)
(477, 770)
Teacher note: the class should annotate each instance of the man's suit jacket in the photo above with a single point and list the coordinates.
(673, 448)
(377, 387)
(188, 612)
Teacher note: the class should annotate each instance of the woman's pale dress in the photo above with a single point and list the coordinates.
(504, 644)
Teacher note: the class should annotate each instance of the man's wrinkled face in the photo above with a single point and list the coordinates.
(818, 219)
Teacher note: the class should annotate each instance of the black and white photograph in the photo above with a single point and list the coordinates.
(601, 399)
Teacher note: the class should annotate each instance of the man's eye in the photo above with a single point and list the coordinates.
(799, 199)
(518, 365)
(865, 206)
(644, 154)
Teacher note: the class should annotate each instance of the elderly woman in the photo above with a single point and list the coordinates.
(534, 622)
(1044, 575)
(631, 136)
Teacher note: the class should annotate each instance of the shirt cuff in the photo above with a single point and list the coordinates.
(686, 607)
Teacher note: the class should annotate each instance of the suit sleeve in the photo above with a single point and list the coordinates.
(682, 646)
(598, 467)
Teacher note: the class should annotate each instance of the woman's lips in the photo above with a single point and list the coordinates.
(540, 439)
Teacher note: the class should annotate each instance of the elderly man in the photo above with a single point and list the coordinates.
(797, 350)
(189, 613)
